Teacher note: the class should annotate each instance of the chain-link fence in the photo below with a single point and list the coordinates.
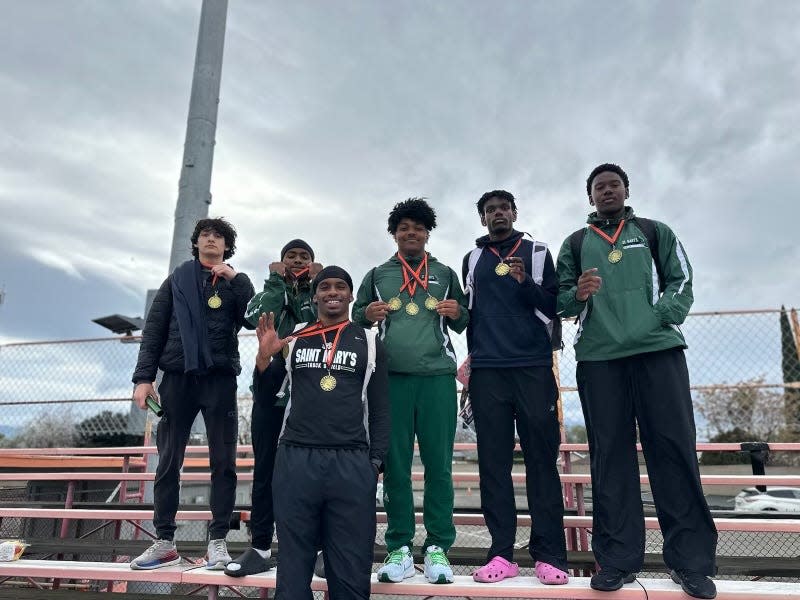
(744, 369)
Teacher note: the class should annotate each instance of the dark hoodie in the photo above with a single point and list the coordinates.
(503, 329)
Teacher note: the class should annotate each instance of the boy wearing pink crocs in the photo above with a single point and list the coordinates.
(512, 285)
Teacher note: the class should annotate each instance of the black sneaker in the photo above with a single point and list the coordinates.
(609, 579)
(319, 566)
(249, 563)
(693, 583)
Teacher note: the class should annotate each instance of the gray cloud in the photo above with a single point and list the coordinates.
(332, 112)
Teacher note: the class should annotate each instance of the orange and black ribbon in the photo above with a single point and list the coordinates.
(319, 329)
(412, 277)
(610, 239)
(509, 255)
(300, 273)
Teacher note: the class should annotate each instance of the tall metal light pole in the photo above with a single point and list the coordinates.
(194, 187)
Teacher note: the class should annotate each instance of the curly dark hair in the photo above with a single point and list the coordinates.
(602, 169)
(501, 194)
(415, 209)
(222, 227)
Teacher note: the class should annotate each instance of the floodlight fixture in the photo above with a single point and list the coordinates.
(120, 324)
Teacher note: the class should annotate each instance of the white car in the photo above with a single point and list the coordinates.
(780, 499)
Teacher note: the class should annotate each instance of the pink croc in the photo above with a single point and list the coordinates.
(496, 570)
(550, 575)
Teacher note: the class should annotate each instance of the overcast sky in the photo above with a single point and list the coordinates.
(331, 112)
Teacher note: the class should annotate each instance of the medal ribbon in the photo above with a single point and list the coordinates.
(300, 273)
(510, 254)
(318, 329)
(605, 236)
(409, 273)
(214, 278)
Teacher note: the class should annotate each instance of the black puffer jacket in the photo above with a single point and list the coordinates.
(161, 341)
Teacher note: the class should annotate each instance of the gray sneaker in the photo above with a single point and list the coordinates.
(217, 557)
(161, 554)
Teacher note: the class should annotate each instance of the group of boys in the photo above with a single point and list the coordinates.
(337, 402)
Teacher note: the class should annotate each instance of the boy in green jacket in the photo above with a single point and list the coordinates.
(629, 281)
(287, 295)
(415, 299)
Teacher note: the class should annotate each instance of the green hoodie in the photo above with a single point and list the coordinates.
(418, 344)
(627, 316)
(291, 304)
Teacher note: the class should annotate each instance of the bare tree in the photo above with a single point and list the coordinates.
(48, 430)
(748, 408)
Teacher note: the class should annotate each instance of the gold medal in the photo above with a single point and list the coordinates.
(395, 303)
(327, 383)
(431, 302)
(615, 256)
(502, 269)
(215, 301)
(412, 308)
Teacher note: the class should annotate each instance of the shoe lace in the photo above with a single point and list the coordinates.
(218, 547)
(157, 546)
(395, 557)
(438, 557)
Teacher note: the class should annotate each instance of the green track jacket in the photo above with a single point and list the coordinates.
(627, 316)
(290, 304)
(419, 344)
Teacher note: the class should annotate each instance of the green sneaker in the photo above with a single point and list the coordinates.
(399, 565)
(437, 567)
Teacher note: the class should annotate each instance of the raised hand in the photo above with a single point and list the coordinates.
(278, 267)
(223, 270)
(313, 270)
(268, 341)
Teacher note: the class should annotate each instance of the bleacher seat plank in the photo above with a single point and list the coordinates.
(463, 586)
(574, 478)
(458, 446)
(19, 461)
(770, 525)
(96, 571)
(22, 593)
(116, 514)
(727, 590)
(523, 587)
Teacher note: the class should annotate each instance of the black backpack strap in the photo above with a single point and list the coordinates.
(575, 243)
(650, 232)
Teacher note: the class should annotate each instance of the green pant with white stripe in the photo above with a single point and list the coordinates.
(425, 407)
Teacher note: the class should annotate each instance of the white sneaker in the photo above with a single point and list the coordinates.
(399, 565)
(437, 567)
(217, 557)
(162, 553)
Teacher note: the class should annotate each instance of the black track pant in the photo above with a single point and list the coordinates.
(182, 397)
(327, 495)
(653, 390)
(525, 396)
(265, 427)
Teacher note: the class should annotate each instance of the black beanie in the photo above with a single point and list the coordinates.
(332, 272)
(298, 243)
